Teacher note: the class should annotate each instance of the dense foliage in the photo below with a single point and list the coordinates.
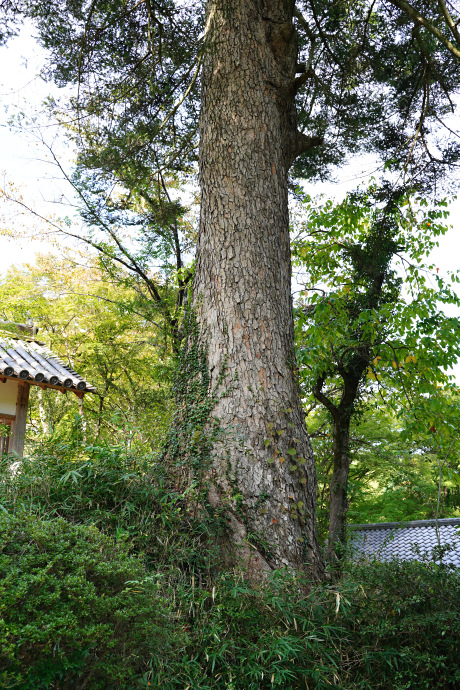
(69, 614)
(376, 340)
(108, 580)
(98, 329)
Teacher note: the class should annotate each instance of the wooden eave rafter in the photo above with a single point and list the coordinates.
(42, 385)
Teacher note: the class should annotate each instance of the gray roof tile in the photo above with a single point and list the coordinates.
(30, 360)
(397, 540)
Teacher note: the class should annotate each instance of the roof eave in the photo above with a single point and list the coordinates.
(43, 385)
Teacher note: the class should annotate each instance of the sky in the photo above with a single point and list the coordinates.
(22, 159)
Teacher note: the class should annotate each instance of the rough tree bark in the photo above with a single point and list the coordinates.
(242, 286)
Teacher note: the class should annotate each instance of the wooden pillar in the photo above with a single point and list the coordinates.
(19, 431)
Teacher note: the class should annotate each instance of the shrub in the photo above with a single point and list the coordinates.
(243, 637)
(123, 494)
(68, 618)
(388, 626)
(404, 623)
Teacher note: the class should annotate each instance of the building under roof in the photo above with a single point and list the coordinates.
(406, 540)
(26, 362)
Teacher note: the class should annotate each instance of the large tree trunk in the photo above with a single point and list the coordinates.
(242, 288)
(339, 489)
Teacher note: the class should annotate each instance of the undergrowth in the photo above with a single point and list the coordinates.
(109, 580)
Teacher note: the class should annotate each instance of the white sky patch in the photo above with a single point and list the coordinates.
(24, 163)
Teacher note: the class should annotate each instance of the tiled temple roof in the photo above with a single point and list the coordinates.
(388, 540)
(29, 360)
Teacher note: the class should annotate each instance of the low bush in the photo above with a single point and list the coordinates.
(388, 626)
(124, 495)
(140, 600)
(404, 621)
(69, 617)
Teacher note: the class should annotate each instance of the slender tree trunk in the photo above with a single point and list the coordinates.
(341, 419)
(263, 469)
(339, 488)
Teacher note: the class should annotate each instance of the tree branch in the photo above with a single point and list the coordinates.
(450, 22)
(418, 19)
(306, 143)
(300, 81)
(322, 398)
(305, 25)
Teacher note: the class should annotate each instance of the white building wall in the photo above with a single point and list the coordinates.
(8, 397)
